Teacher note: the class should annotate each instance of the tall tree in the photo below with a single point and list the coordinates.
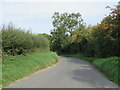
(64, 25)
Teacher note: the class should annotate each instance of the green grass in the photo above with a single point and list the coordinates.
(16, 67)
(111, 67)
(80, 56)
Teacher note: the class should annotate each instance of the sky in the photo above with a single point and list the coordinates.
(35, 15)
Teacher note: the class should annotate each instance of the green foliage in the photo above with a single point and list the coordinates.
(82, 41)
(0, 75)
(16, 67)
(0, 60)
(46, 36)
(64, 25)
(40, 41)
(16, 41)
(81, 57)
(49, 37)
(101, 40)
(0, 48)
(110, 66)
(107, 35)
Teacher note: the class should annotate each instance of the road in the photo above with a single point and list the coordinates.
(68, 73)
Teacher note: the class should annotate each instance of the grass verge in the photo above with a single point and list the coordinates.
(110, 66)
(16, 67)
(80, 56)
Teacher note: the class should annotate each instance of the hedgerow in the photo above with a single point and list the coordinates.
(16, 41)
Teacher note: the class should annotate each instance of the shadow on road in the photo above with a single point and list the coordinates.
(86, 73)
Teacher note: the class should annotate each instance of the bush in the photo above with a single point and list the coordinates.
(40, 42)
(110, 66)
(16, 41)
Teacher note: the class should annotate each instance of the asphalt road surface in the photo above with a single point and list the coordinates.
(68, 73)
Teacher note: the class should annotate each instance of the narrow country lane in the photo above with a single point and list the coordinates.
(68, 73)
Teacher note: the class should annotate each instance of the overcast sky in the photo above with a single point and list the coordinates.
(36, 14)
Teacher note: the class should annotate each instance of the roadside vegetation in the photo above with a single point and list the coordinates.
(16, 67)
(81, 56)
(71, 37)
(110, 66)
(23, 53)
(16, 41)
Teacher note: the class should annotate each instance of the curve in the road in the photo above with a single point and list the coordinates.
(69, 73)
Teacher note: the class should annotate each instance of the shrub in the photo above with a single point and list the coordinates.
(16, 41)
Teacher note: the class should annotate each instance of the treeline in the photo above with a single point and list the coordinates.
(70, 35)
(16, 41)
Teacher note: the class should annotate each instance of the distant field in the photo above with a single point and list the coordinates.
(16, 67)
